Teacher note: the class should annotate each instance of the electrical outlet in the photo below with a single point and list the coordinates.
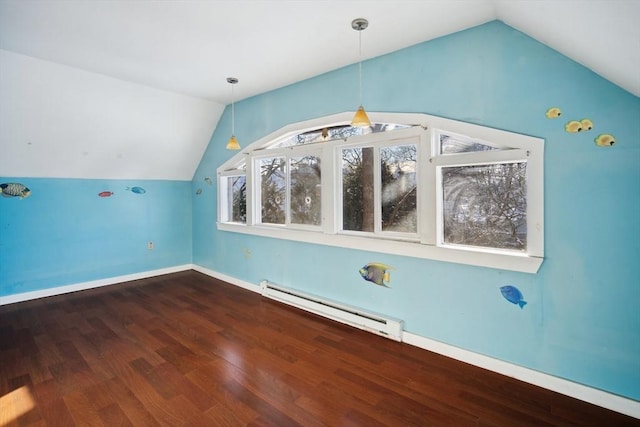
(150, 246)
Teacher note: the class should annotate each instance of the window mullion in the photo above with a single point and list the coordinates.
(377, 191)
(331, 193)
(223, 205)
(252, 191)
(427, 202)
(287, 190)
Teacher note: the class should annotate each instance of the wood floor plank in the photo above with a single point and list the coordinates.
(56, 413)
(211, 378)
(275, 391)
(266, 411)
(82, 409)
(187, 349)
(131, 406)
(113, 416)
(220, 415)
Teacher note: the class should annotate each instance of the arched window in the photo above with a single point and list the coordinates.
(411, 184)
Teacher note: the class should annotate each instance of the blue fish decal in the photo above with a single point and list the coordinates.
(377, 273)
(137, 190)
(513, 295)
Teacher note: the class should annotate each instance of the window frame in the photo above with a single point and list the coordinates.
(410, 136)
(223, 196)
(427, 243)
(287, 153)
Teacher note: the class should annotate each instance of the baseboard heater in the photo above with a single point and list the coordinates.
(368, 321)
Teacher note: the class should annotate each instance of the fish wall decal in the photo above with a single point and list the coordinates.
(137, 190)
(14, 189)
(377, 273)
(513, 295)
(553, 113)
(605, 140)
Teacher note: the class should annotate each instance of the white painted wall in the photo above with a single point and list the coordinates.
(62, 122)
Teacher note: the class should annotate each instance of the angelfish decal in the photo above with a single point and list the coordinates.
(377, 273)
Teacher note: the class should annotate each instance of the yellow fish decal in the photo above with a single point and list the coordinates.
(573, 126)
(586, 124)
(604, 140)
(553, 113)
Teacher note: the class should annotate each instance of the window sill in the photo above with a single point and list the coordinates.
(504, 261)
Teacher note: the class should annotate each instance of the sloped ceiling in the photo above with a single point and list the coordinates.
(140, 85)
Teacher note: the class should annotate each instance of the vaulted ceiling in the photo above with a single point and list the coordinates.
(173, 57)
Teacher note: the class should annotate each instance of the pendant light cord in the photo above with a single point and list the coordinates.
(360, 62)
(233, 114)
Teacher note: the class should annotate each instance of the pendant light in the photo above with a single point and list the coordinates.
(360, 119)
(233, 142)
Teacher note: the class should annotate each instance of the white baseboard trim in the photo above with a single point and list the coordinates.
(559, 385)
(229, 279)
(42, 293)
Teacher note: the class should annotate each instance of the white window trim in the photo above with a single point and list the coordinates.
(425, 246)
(409, 136)
(286, 154)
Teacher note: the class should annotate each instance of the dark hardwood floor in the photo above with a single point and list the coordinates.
(186, 349)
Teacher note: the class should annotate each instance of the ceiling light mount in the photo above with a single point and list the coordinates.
(232, 80)
(359, 24)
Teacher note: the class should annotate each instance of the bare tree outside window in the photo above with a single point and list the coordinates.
(357, 189)
(398, 185)
(486, 205)
(306, 207)
(273, 190)
(332, 133)
(399, 201)
(238, 196)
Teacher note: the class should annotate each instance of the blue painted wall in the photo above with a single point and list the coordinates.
(64, 234)
(582, 320)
